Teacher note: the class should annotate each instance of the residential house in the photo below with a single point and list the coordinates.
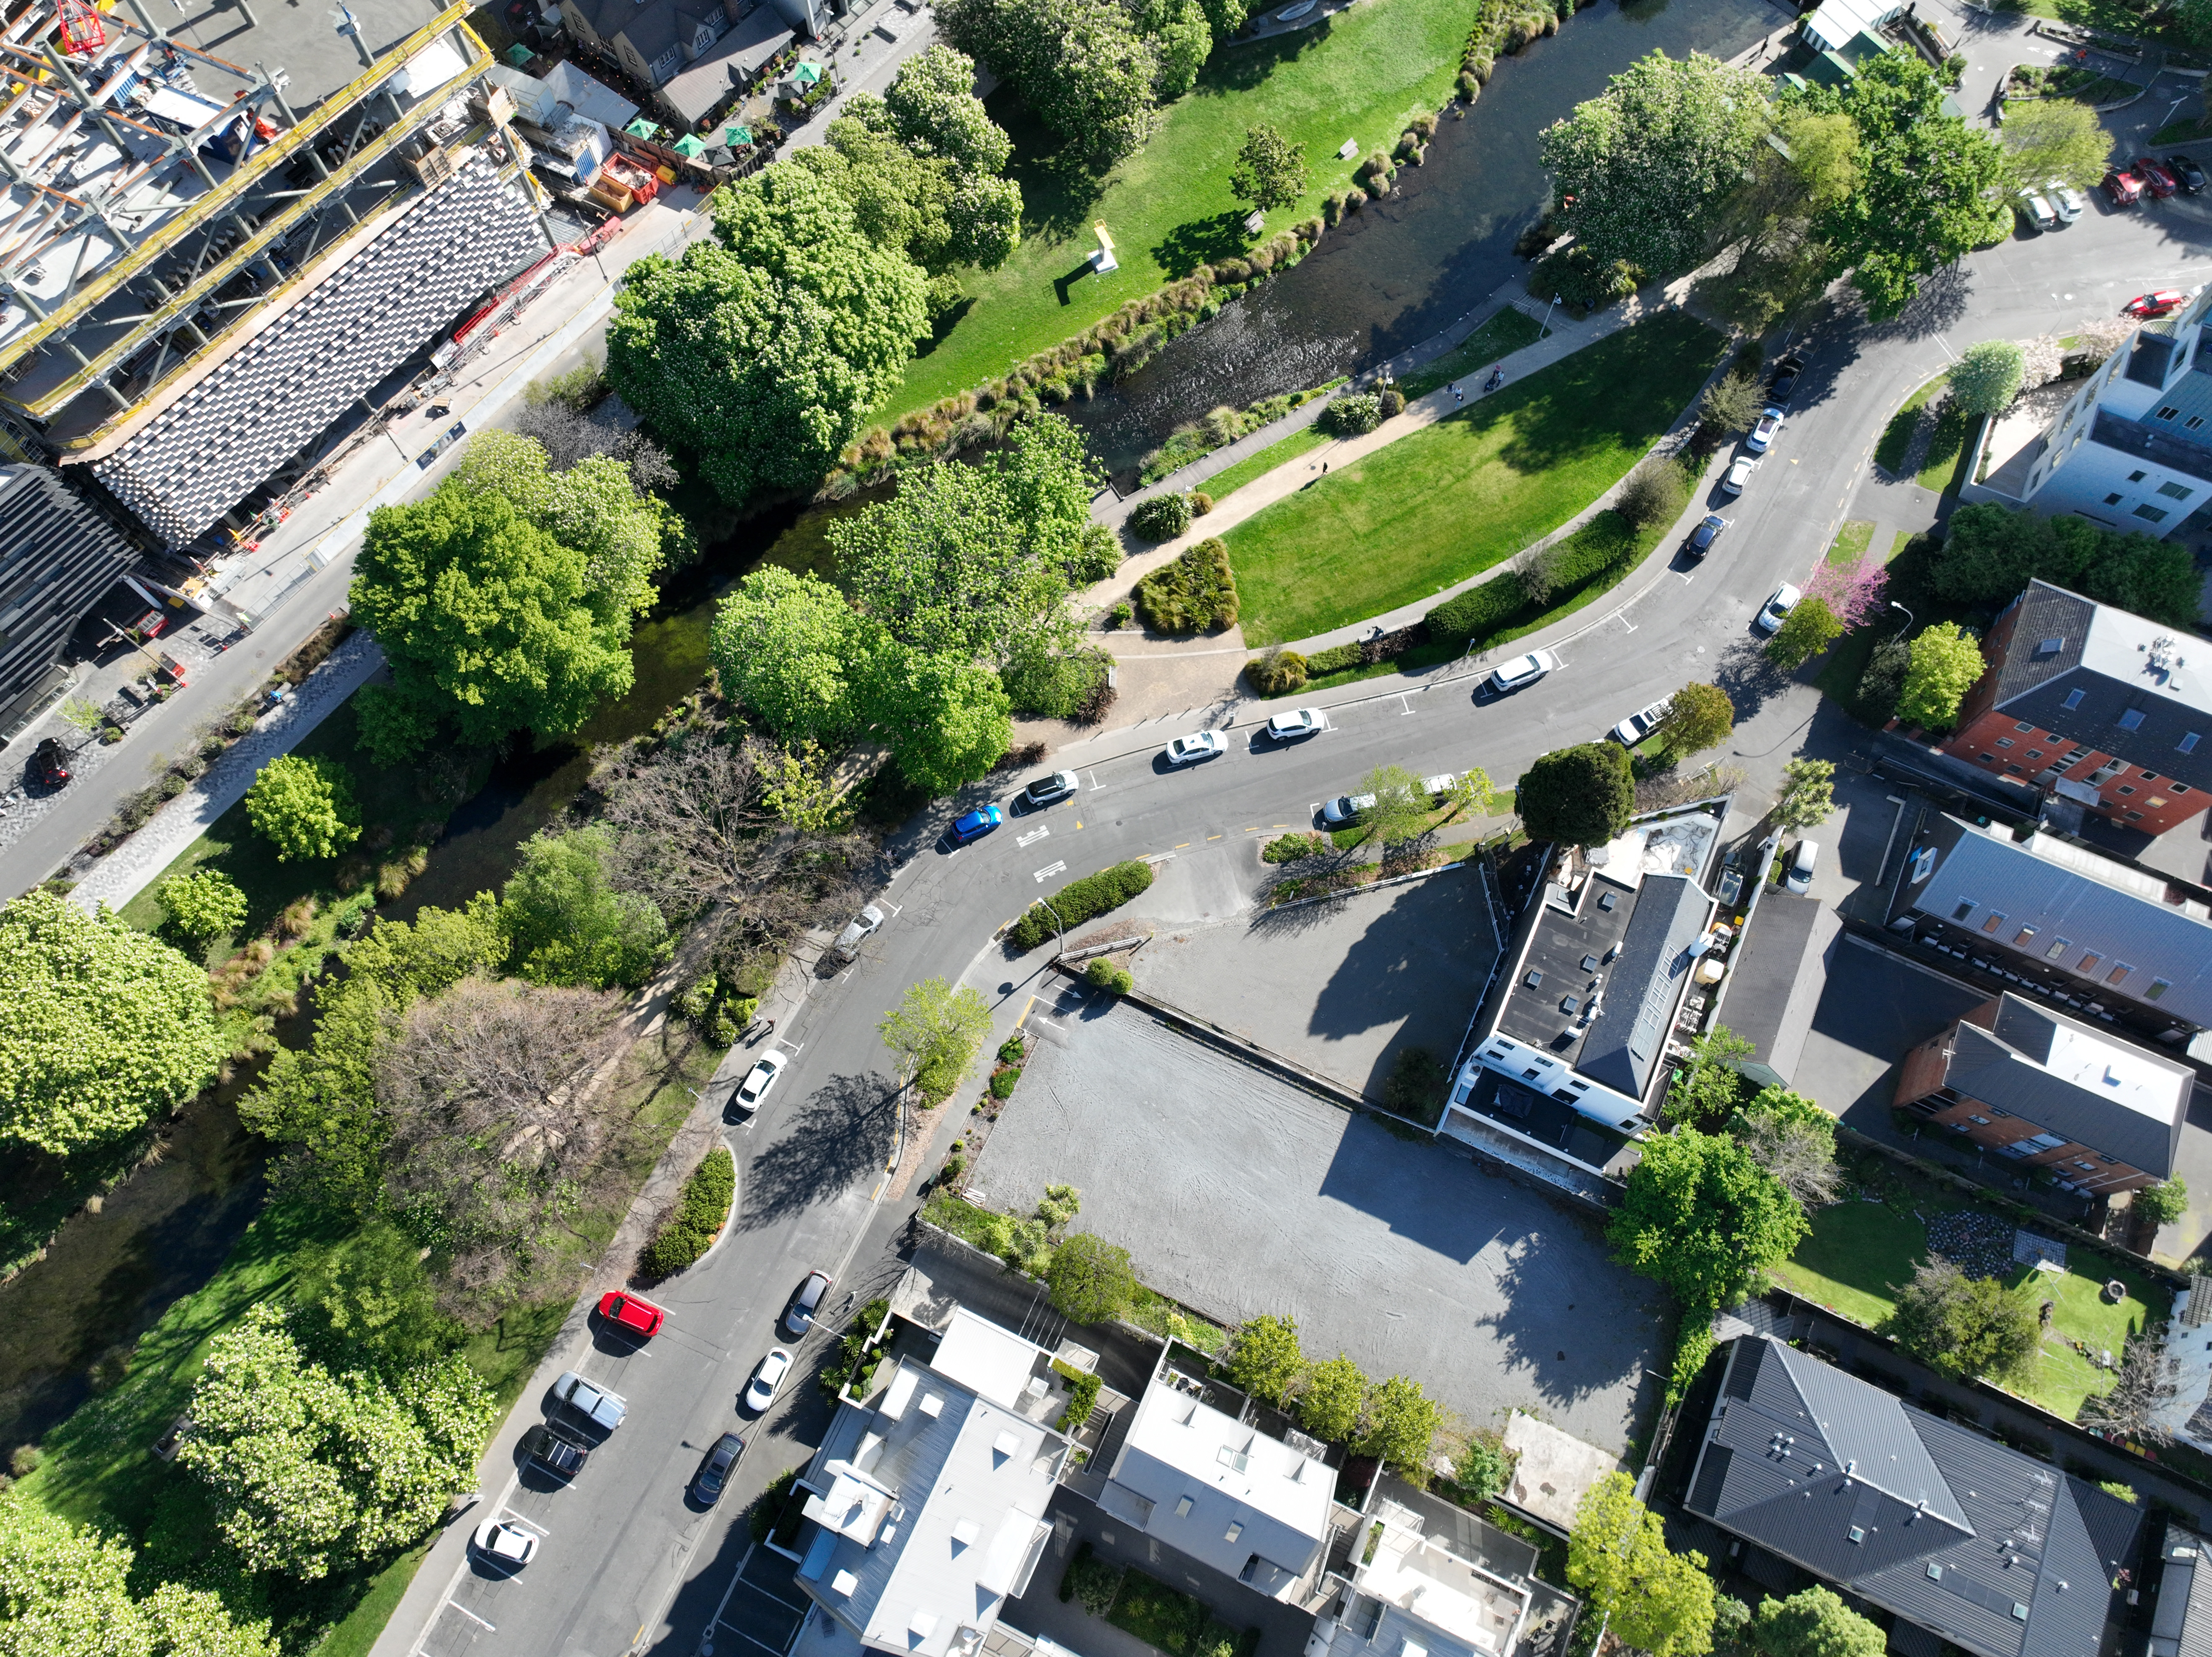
(2179, 1627)
(697, 55)
(1412, 1593)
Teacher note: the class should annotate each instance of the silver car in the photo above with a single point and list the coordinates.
(591, 1401)
(1640, 724)
(1776, 609)
(1345, 808)
(1523, 670)
(1299, 722)
(861, 928)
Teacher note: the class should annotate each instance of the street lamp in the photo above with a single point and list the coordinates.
(1545, 327)
(1907, 627)
(1059, 933)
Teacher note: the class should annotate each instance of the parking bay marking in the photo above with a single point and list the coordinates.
(1033, 836)
(1043, 874)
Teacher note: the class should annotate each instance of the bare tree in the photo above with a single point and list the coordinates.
(498, 1139)
(1537, 568)
(570, 435)
(2148, 1382)
(1796, 1153)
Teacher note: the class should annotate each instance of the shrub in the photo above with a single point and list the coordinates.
(1289, 848)
(1091, 1280)
(1163, 517)
(1010, 1050)
(204, 904)
(1276, 673)
(1201, 503)
(1103, 974)
(1415, 1089)
(1002, 1082)
(1080, 899)
(1353, 415)
(305, 807)
(1334, 659)
(1391, 401)
(761, 1517)
(1056, 686)
(699, 1213)
(1656, 493)
(1091, 1580)
(1196, 592)
(1083, 1390)
(1121, 615)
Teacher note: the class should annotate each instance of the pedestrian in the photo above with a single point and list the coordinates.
(1324, 465)
(1458, 396)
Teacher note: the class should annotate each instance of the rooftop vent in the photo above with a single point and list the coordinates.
(1607, 900)
(965, 1533)
(1534, 979)
(1589, 963)
(844, 1582)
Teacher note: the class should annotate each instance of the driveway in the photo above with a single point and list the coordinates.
(1238, 1194)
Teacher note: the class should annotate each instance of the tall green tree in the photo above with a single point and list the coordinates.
(1400, 812)
(593, 506)
(1082, 66)
(304, 807)
(940, 214)
(2054, 138)
(1706, 1091)
(1266, 1360)
(1813, 1623)
(1703, 1219)
(1655, 1599)
(1330, 1401)
(1780, 261)
(1986, 377)
(1808, 794)
(566, 923)
(1963, 1327)
(791, 648)
(1990, 554)
(65, 1592)
(1579, 796)
(106, 1028)
(1945, 662)
(933, 106)
(1091, 1280)
(763, 351)
(1698, 716)
(935, 1030)
(1398, 1425)
(1270, 171)
(1809, 629)
(204, 904)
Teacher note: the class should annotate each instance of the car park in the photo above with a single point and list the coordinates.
(1707, 531)
(858, 930)
(1523, 670)
(1739, 474)
(714, 1475)
(1199, 745)
(556, 1451)
(1049, 791)
(758, 1080)
(768, 1375)
(1778, 607)
(1799, 876)
(2155, 178)
(1764, 434)
(1639, 724)
(590, 1400)
(2065, 200)
(798, 1316)
(2146, 306)
(50, 763)
(1299, 722)
(2125, 188)
(1345, 808)
(974, 825)
(2186, 172)
(506, 1542)
(1786, 372)
(629, 1312)
(2037, 211)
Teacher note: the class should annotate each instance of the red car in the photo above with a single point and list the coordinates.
(2125, 188)
(2159, 304)
(629, 1312)
(2155, 178)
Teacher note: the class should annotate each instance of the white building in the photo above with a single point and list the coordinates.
(2131, 449)
(1411, 1595)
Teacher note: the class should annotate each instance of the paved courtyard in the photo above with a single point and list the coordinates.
(1238, 1194)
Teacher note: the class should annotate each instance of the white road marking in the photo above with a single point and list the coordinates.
(1033, 836)
(1045, 874)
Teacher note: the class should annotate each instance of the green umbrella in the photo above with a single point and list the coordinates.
(691, 144)
(641, 128)
(737, 135)
(806, 75)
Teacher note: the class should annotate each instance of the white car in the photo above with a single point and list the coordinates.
(1199, 745)
(1049, 790)
(758, 1080)
(590, 1400)
(1299, 722)
(1344, 809)
(1523, 670)
(768, 1375)
(1638, 725)
(862, 928)
(1778, 609)
(1763, 434)
(1739, 474)
(2065, 201)
(506, 1542)
(1443, 783)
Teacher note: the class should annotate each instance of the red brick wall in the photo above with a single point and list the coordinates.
(1922, 1072)
(1994, 741)
(1997, 1131)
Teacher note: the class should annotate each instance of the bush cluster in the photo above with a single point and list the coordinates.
(1196, 593)
(1080, 899)
(1289, 848)
(685, 1233)
(1163, 517)
(1502, 604)
(1350, 416)
(1276, 673)
(1103, 974)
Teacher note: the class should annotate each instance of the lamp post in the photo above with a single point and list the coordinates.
(1060, 933)
(1545, 327)
(1907, 627)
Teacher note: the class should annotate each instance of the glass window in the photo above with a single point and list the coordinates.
(2021, 938)
(2023, 727)
(2112, 499)
(2059, 946)
(2089, 962)
(1965, 907)
(2188, 744)
(2035, 752)
(2126, 789)
(2175, 491)
(2120, 970)
(2167, 413)
(2137, 476)
(2159, 986)
(2131, 720)
(2004, 742)
(2150, 513)
(1996, 920)
(2074, 700)
(2150, 776)
(2180, 787)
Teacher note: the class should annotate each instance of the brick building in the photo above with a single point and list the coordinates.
(2095, 704)
(2102, 1114)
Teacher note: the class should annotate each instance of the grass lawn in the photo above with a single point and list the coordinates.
(1280, 451)
(1852, 541)
(1362, 74)
(1508, 332)
(1454, 498)
(1897, 436)
(1950, 450)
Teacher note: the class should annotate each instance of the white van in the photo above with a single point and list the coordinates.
(2039, 211)
(1800, 874)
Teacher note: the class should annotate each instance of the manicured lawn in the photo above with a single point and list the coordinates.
(1897, 436)
(1454, 498)
(1949, 450)
(1851, 541)
(1361, 75)
(1282, 450)
(1506, 332)
(1856, 1253)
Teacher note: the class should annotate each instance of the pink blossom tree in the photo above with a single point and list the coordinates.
(1857, 591)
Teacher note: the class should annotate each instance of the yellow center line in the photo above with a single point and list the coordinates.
(1180, 848)
(1213, 837)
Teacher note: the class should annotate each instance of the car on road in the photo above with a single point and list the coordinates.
(858, 930)
(50, 763)
(714, 1475)
(2065, 200)
(975, 824)
(798, 1316)
(1739, 474)
(629, 1312)
(1777, 608)
(2186, 172)
(1763, 434)
(2161, 303)
(590, 1400)
(556, 1451)
(1048, 791)
(1786, 372)
(1299, 722)
(1638, 725)
(758, 1080)
(1199, 745)
(768, 1375)
(2155, 178)
(506, 1542)
(1707, 531)
(1523, 670)
(2125, 188)
(1345, 808)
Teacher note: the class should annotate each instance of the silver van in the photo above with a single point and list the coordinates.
(1799, 875)
(2039, 211)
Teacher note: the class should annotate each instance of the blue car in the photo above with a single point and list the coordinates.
(975, 825)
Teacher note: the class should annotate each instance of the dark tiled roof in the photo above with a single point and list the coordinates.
(1644, 985)
(57, 557)
(2004, 1068)
(1768, 974)
(732, 61)
(1998, 1553)
(2181, 1617)
(2048, 634)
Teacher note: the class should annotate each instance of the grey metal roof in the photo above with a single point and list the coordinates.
(2004, 1067)
(1768, 975)
(2181, 1616)
(1645, 984)
(1994, 1552)
(732, 61)
(57, 557)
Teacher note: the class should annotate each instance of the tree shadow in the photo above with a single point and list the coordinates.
(1747, 679)
(1939, 305)
(1227, 73)
(942, 330)
(1059, 189)
(1200, 241)
(842, 1130)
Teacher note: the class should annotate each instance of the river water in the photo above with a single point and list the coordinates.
(1394, 273)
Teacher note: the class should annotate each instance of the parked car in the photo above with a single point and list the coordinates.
(1707, 531)
(1299, 722)
(506, 1542)
(557, 1452)
(590, 1400)
(1345, 808)
(1440, 784)
(629, 1312)
(1199, 745)
(50, 763)
(768, 1375)
(975, 825)
(1786, 370)
(2037, 211)
(1523, 670)
(858, 930)
(1763, 434)
(1739, 474)
(2155, 178)
(2186, 172)
(1799, 875)
(2125, 188)
(2065, 200)
(758, 1080)
(2165, 301)
(1049, 791)
(1637, 725)
(1772, 613)
(798, 1316)
(714, 1475)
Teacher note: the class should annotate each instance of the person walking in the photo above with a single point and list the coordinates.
(1458, 396)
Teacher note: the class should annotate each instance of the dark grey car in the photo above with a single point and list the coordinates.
(713, 1476)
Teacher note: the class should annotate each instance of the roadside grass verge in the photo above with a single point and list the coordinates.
(1851, 541)
(1454, 498)
(1846, 660)
(1897, 437)
(1949, 450)
(1510, 330)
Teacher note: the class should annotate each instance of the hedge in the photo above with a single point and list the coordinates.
(698, 1214)
(1196, 592)
(1080, 899)
(1501, 604)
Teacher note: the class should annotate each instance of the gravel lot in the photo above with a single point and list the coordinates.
(1239, 1194)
